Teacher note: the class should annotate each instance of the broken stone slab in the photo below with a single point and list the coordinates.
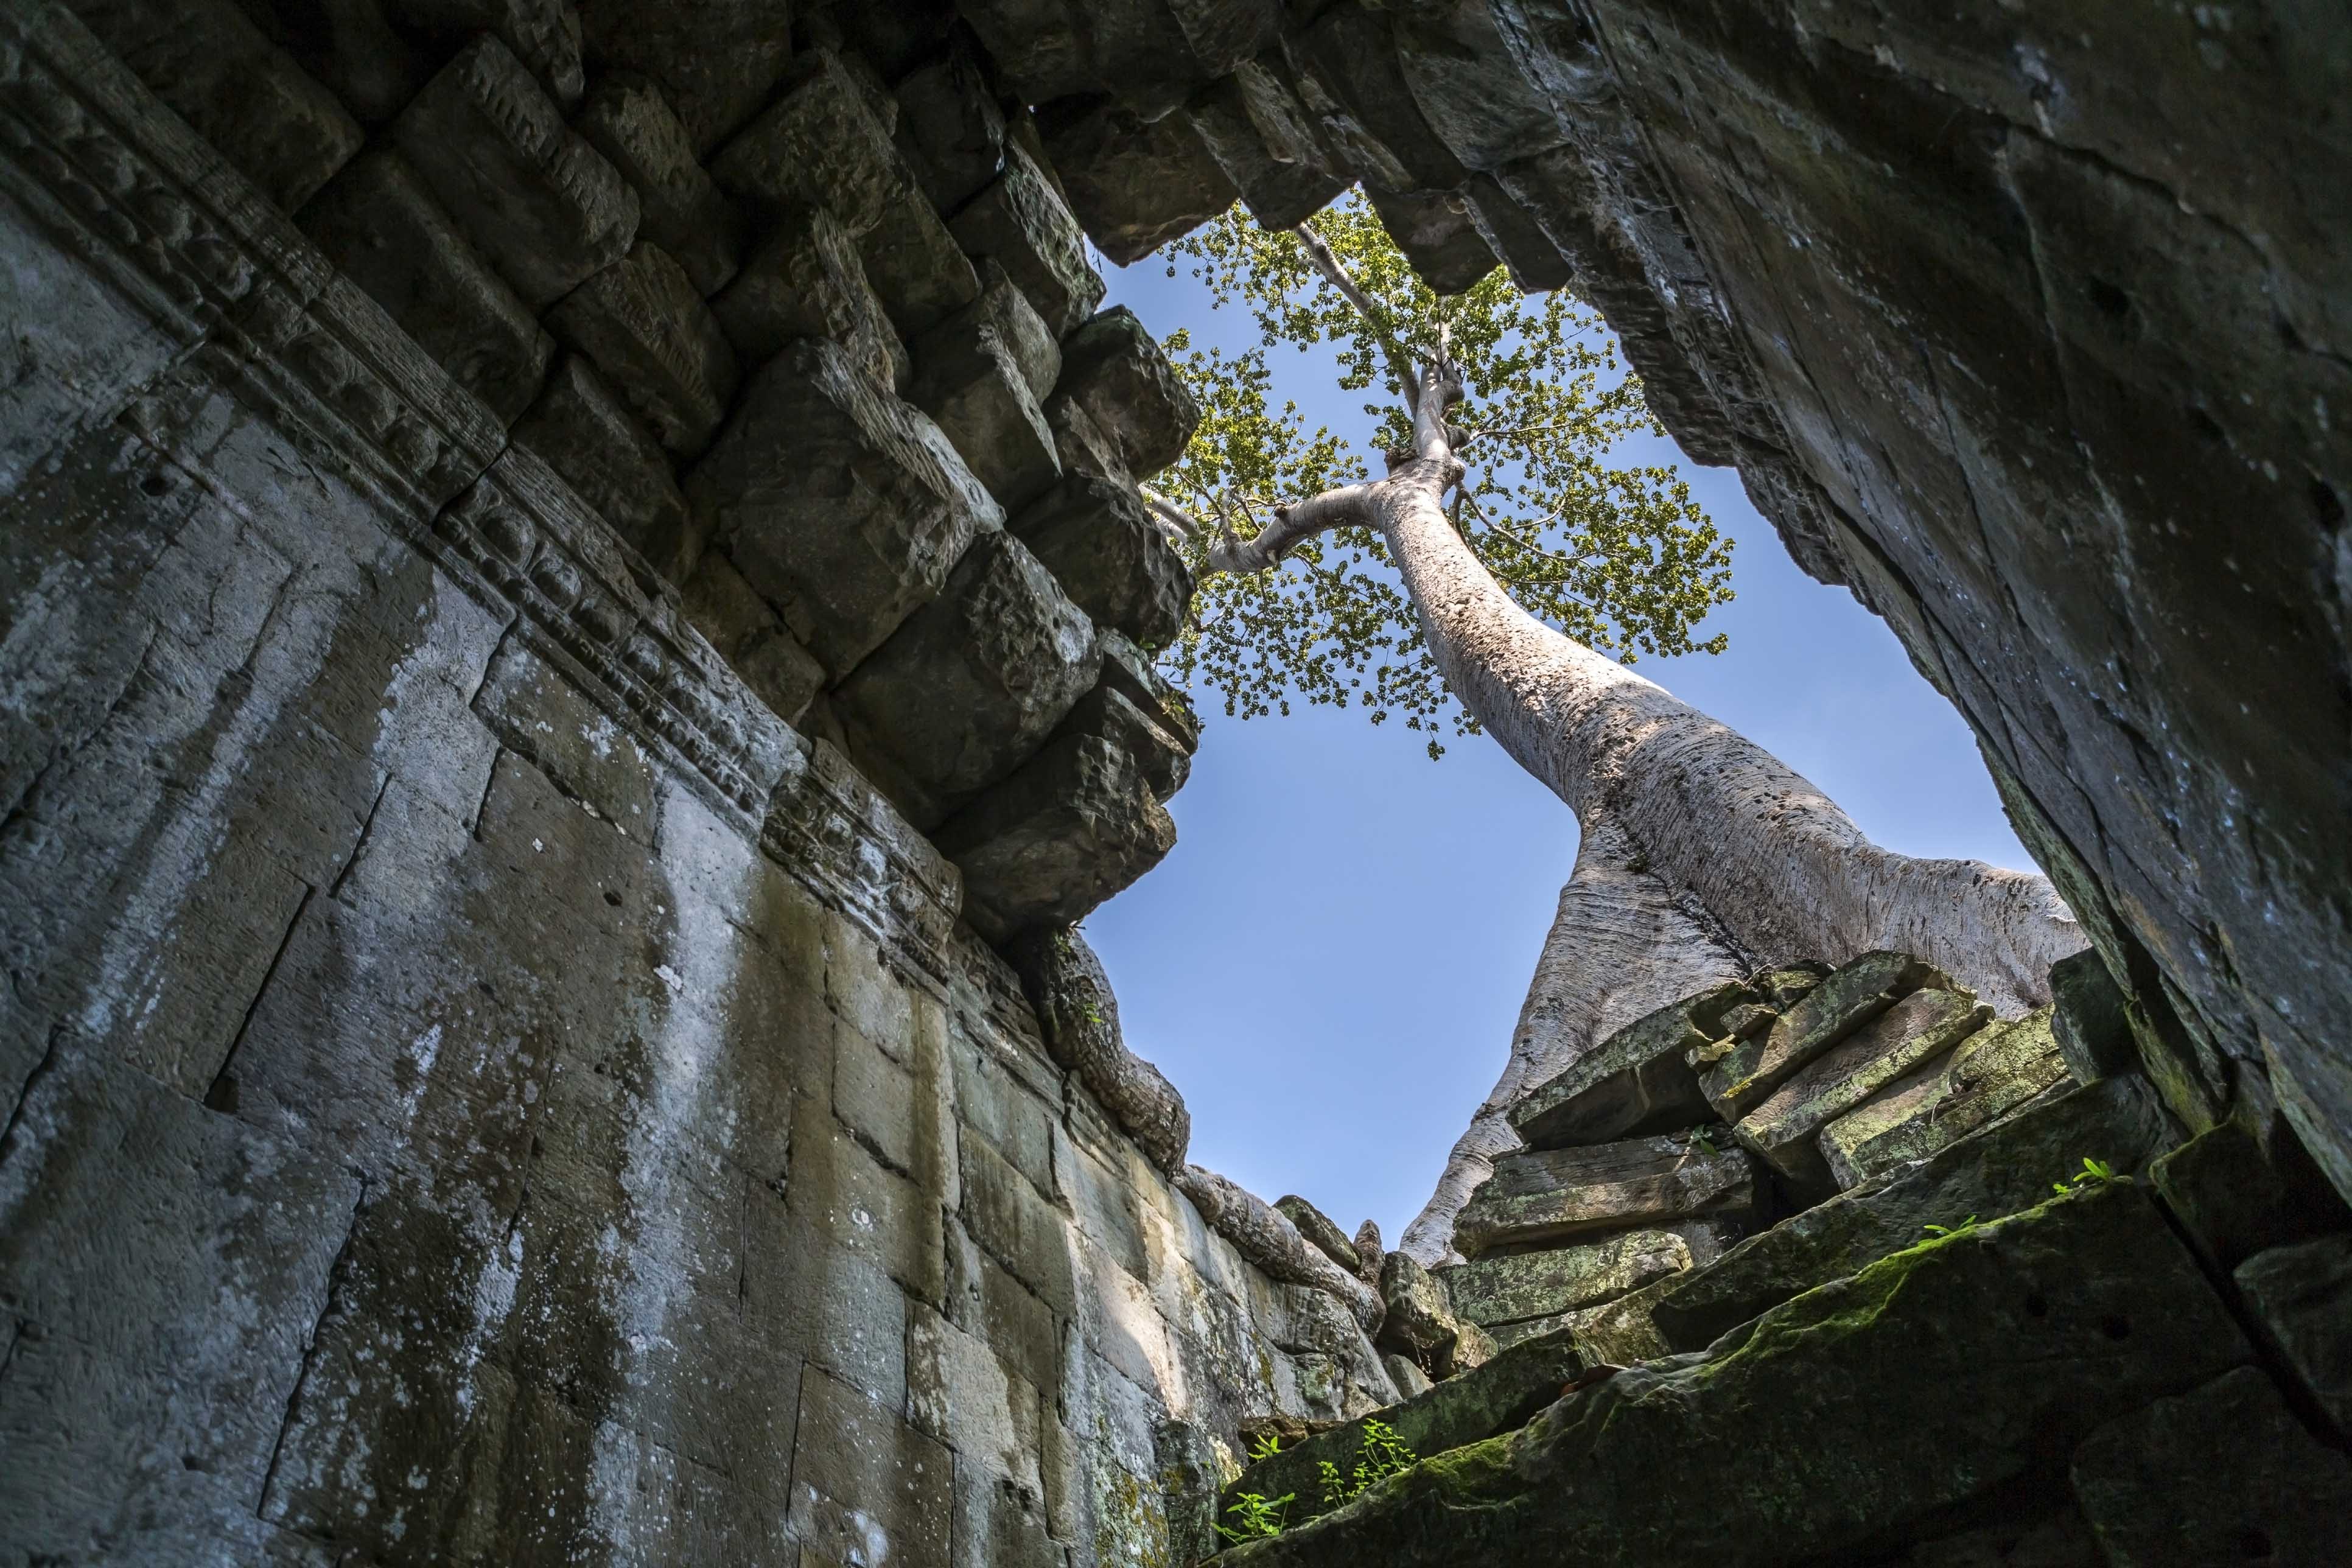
(647, 330)
(1737, 1075)
(751, 636)
(973, 682)
(1552, 1194)
(715, 60)
(1638, 1081)
(379, 224)
(1517, 1286)
(820, 144)
(2235, 1198)
(1959, 1366)
(1500, 1395)
(1115, 370)
(1783, 1130)
(1370, 1252)
(2301, 1296)
(805, 280)
(1114, 559)
(2221, 1474)
(1109, 714)
(843, 505)
(1320, 1230)
(545, 207)
(1022, 222)
(1073, 826)
(579, 429)
(2002, 1168)
(950, 125)
(1437, 236)
(680, 207)
(969, 379)
(1134, 185)
(1989, 1074)
(2090, 1020)
(1081, 445)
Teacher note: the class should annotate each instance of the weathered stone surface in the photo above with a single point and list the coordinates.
(805, 280)
(679, 208)
(1436, 233)
(2234, 1200)
(1518, 241)
(1133, 184)
(209, 62)
(1114, 369)
(650, 334)
(1523, 1285)
(1739, 1079)
(605, 453)
(1105, 548)
(1500, 1395)
(972, 682)
(1541, 1196)
(544, 207)
(1916, 1030)
(2301, 1298)
(2089, 1018)
(820, 144)
(1005, 311)
(1319, 1229)
(1074, 825)
(970, 380)
(2002, 1168)
(715, 60)
(349, 48)
(1988, 1075)
(1281, 188)
(2031, 1331)
(543, 34)
(379, 224)
(841, 504)
(751, 636)
(1021, 222)
(2223, 1474)
(951, 126)
(1636, 1081)
(1110, 714)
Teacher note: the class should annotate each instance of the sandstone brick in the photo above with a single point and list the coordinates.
(1074, 825)
(971, 383)
(1023, 224)
(867, 1484)
(715, 60)
(805, 280)
(544, 35)
(752, 637)
(650, 334)
(680, 207)
(846, 1195)
(1134, 184)
(584, 431)
(952, 126)
(1111, 556)
(1114, 369)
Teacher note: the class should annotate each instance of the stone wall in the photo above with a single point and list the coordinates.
(481, 1085)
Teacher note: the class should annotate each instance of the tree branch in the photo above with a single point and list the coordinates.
(1399, 363)
(1169, 512)
(1302, 520)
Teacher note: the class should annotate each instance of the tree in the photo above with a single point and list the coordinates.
(1702, 854)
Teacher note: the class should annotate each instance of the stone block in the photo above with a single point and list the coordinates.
(2301, 1298)
(2002, 1168)
(1133, 184)
(240, 92)
(680, 207)
(1081, 443)
(2090, 1018)
(867, 1486)
(538, 713)
(1004, 310)
(1000, 1523)
(543, 34)
(1518, 1286)
(820, 144)
(1022, 222)
(1987, 1076)
(752, 637)
(1114, 369)
(542, 205)
(1129, 670)
(379, 224)
(1106, 713)
(1500, 1395)
(2233, 1199)
(969, 380)
(974, 681)
(1321, 1231)
(1074, 825)
(951, 126)
(1737, 1075)
(715, 60)
(959, 1392)
(1547, 1196)
(582, 429)
(1280, 192)
(986, 1300)
(803, 1295)
(1015, 1225)
(805, 280)
(844, 506)
(2223, 1474)
(840, 1190)
(349, 48)
(1111, 555)
(1437, 235)
(1349, 77)
(1419, 1320)
(650, 334)
(1516, 239)
(1637, 1080)
(1914, 1031)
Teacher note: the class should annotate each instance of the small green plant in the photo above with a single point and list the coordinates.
(1266, 1444)
(1255, 1518)
(1382, 1454)
(1943, 1232)
(1700, 1141)
(2093, 1173)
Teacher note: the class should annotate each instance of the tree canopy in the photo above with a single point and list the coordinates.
(1618, 557)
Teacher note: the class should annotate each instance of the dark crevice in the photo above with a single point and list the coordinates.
(221, 1095)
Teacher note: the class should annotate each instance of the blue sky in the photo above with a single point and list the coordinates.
(1329, 962)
